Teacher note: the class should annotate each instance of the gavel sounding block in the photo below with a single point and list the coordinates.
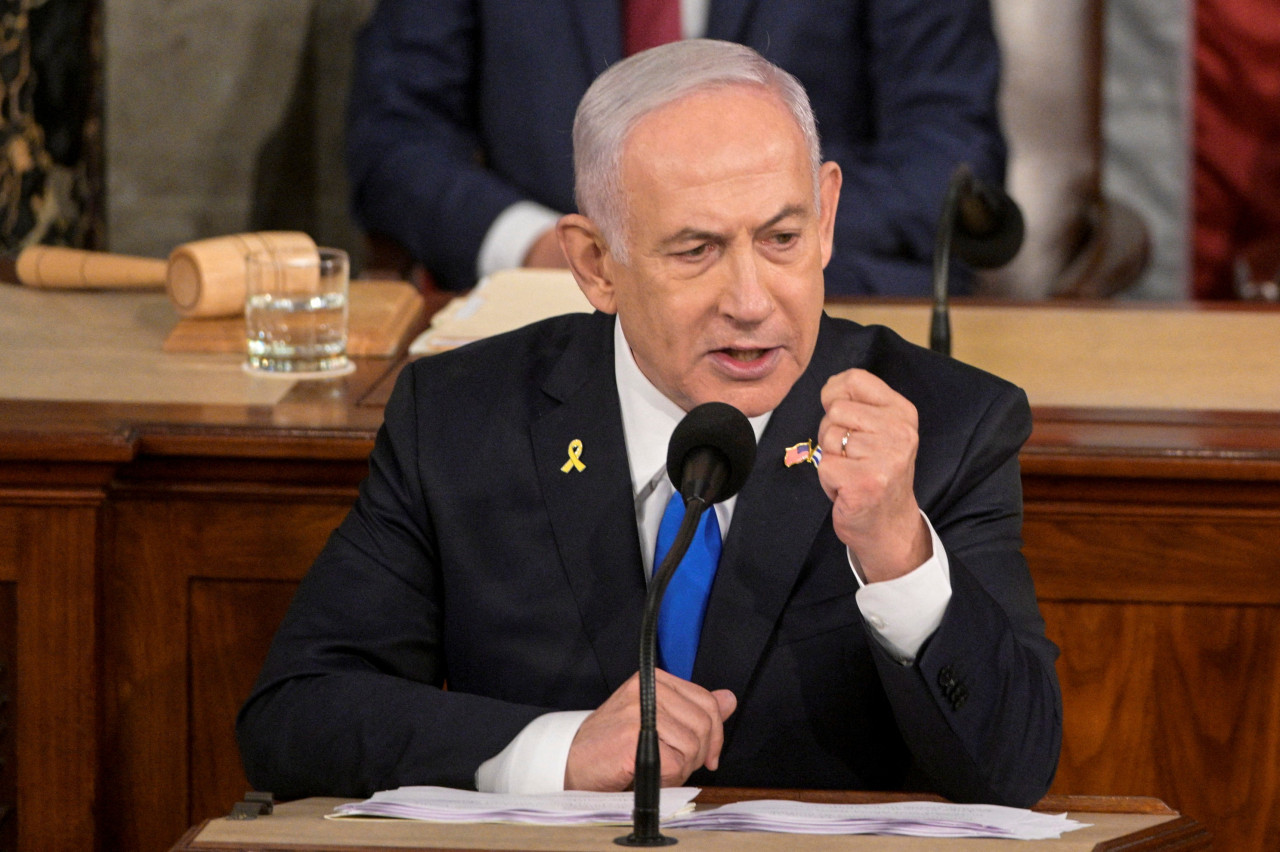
(381, 317)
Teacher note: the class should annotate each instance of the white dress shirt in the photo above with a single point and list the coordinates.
(902, 613)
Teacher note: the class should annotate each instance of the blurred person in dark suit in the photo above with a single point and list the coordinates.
(458, 134)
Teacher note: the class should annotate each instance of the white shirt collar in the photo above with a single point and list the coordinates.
(648, 417)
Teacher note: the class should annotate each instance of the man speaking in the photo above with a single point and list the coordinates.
(870, 623)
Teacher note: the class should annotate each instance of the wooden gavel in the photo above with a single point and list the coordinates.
(205, 278)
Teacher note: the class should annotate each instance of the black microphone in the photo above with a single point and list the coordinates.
(709, 457)
(711, 452)
(985, 228)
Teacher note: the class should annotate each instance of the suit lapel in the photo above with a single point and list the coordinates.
(778, 516)
(592, 510)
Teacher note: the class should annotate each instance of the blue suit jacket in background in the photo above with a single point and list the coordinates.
(461, 108)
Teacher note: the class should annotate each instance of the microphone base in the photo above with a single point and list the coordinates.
(644, 825)
(637, 840)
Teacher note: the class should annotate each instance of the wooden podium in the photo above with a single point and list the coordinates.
(1132, 824)
(158, 509)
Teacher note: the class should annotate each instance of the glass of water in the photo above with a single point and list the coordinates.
(295, 312)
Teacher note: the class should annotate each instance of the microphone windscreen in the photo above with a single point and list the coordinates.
(719, 427)
(988, 226)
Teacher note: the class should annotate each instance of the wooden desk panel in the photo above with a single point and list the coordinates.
(200, 575)
(96, 498)
(48, 540)
(1153, 539)
(231, 624)
(8, 754)
(138, 547)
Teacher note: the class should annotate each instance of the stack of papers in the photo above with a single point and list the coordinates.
(501, 302)
(916, 819)
(445, 804)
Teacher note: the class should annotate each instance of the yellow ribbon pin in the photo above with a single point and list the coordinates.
(575, 453)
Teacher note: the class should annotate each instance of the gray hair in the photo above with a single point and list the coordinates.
(636, 86)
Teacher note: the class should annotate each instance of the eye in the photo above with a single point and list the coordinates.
(784, 238)
(696, 253)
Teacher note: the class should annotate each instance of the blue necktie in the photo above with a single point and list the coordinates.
(685, 601)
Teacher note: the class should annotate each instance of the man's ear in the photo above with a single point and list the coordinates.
(584, 247)
(829, 180)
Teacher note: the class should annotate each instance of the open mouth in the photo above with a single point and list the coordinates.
(748, 364)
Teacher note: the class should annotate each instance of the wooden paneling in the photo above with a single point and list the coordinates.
(8, 546)
(1164, 554)
(51, 551)
(8, 763)
(1178, 701)
(168, 626)
(231, 625)
(1161, 591)
(145, 675)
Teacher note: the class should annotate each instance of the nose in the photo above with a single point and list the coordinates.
(746, 297)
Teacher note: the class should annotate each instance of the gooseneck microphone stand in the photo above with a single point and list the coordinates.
(984, 227)
(648, 778)
(940, 319)
(709, 456)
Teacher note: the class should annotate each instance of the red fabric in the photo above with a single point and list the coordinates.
(649, 23)
(1236, 166)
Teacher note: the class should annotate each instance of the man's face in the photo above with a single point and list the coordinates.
(723, 291)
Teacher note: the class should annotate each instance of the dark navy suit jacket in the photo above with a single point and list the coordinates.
(460, 108)
(471, 559)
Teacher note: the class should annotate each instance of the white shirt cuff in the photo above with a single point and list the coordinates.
(905, 611)
(511, 236)
(533, 762)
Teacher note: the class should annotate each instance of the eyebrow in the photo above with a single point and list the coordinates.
(785, 213)
(696, 235)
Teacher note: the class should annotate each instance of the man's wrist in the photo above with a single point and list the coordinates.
(534, 761)
(905, 611)
(511, 235)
